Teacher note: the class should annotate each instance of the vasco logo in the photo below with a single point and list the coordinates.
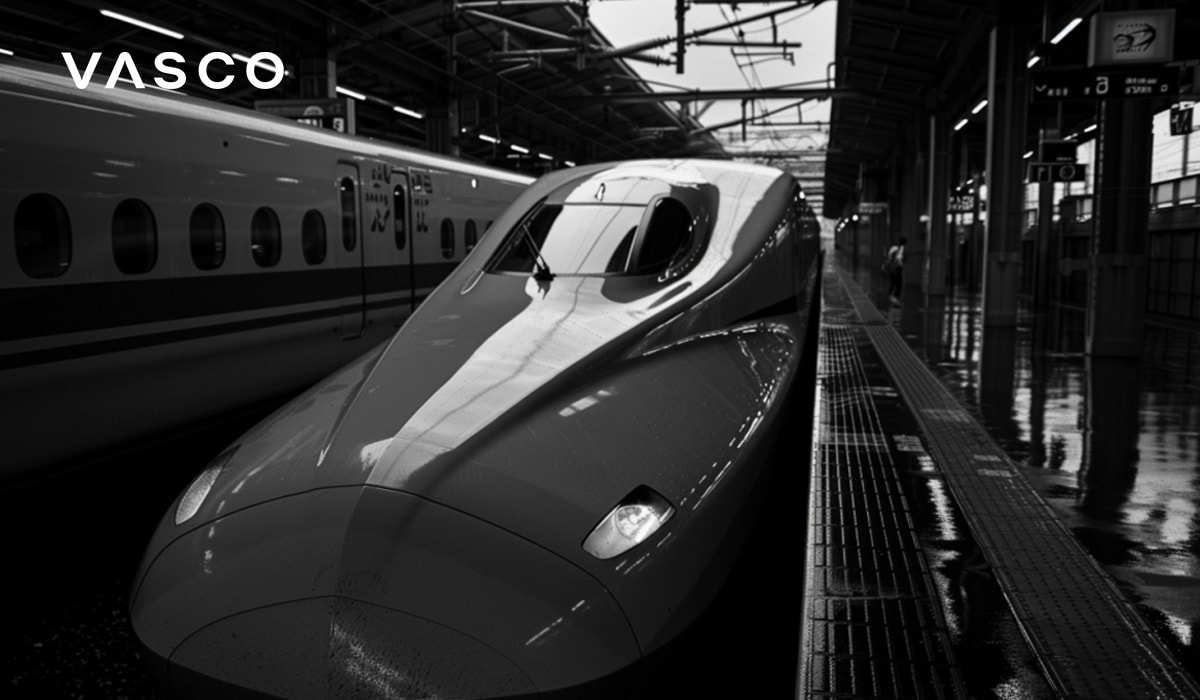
(167, 62)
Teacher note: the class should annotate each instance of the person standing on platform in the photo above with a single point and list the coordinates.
(893, 267)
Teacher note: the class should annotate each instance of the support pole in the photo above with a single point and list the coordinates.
(935, 207)
(1008, 48)
(1116, 308)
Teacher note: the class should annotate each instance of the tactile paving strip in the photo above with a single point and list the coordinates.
(872, 625)
(1089, 640)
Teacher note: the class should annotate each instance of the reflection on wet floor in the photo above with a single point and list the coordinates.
(1113, 445)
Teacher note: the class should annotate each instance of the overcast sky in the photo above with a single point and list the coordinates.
(626, 22)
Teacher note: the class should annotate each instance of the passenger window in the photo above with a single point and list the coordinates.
(349, 220)
(401, 216)
(428, 184)
(43, 236)
(207, 234)
(470, 237)
(135, 237)
(312, 237)
(264, 237)
(447, 238)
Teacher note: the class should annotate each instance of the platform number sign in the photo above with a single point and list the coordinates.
(1181, 118)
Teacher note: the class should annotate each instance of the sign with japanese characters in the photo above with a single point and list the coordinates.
(1059, 85)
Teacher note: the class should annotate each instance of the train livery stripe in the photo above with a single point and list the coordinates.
(144, 340)
(39, 311)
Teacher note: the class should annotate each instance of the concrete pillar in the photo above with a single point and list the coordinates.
(912, 182)
(1046, 247)
(934, 277)
(1008, 48)
(1116, 307)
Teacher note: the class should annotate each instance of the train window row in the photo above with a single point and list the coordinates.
(42, 230)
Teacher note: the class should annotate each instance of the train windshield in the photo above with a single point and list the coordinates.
(598, 239)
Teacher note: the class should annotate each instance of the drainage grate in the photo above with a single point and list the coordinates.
(872, 626)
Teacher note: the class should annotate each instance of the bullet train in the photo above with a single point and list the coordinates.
(168, 259)
(536, 486)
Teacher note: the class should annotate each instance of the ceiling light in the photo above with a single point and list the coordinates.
(1066, 30)
(140, 23)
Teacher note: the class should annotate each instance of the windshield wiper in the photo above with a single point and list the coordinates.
(541, 270)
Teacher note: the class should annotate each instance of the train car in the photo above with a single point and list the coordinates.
(169, 259)
(538, 484)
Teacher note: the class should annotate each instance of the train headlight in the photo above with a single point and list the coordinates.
(631, 522)
(198, 490)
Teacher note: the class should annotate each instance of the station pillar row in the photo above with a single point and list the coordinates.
(1116, 307)
(1007, 96)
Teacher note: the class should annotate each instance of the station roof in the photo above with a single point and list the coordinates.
(895, 57)
(903, 61)
(537, 75)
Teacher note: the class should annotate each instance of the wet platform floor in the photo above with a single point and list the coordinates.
(935, 568)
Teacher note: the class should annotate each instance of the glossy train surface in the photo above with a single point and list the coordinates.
(542, 479)
(168, 259)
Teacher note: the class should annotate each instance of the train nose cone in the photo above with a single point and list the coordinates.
(333, 647)
(363, 592)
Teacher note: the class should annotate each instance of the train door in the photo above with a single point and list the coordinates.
(423, 271)
(402, 228)
(351, 257)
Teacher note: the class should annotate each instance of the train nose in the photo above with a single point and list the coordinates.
(333, 647)
(362, 592)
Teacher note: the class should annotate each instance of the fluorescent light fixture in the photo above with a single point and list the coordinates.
(351, 93)
(961, 123)
(489, 139)
(543, 156)
(409, 112)
(1089, 129)
(1028, 154)
(140, 23)
(246, 59)
(1032, 61)
(569, 163)
(6, 52)
(1066, 30)
(519, 149)
(979, 107)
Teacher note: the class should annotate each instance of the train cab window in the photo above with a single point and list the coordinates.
(134, 237)
(265, 237)
(665, 236)
(206, 232)
(639, 233)
(349, 218)
(400, 222)
(470, 236)
(43, 236)
(312, 237)
(447, 238)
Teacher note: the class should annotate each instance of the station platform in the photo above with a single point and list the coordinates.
(934, 567)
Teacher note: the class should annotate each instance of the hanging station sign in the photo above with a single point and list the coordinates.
(1131, 38)
(1060, 85)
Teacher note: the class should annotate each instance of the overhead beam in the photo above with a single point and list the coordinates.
(706, 95)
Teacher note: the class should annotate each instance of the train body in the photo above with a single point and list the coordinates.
(541, 481)
(168, 259)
